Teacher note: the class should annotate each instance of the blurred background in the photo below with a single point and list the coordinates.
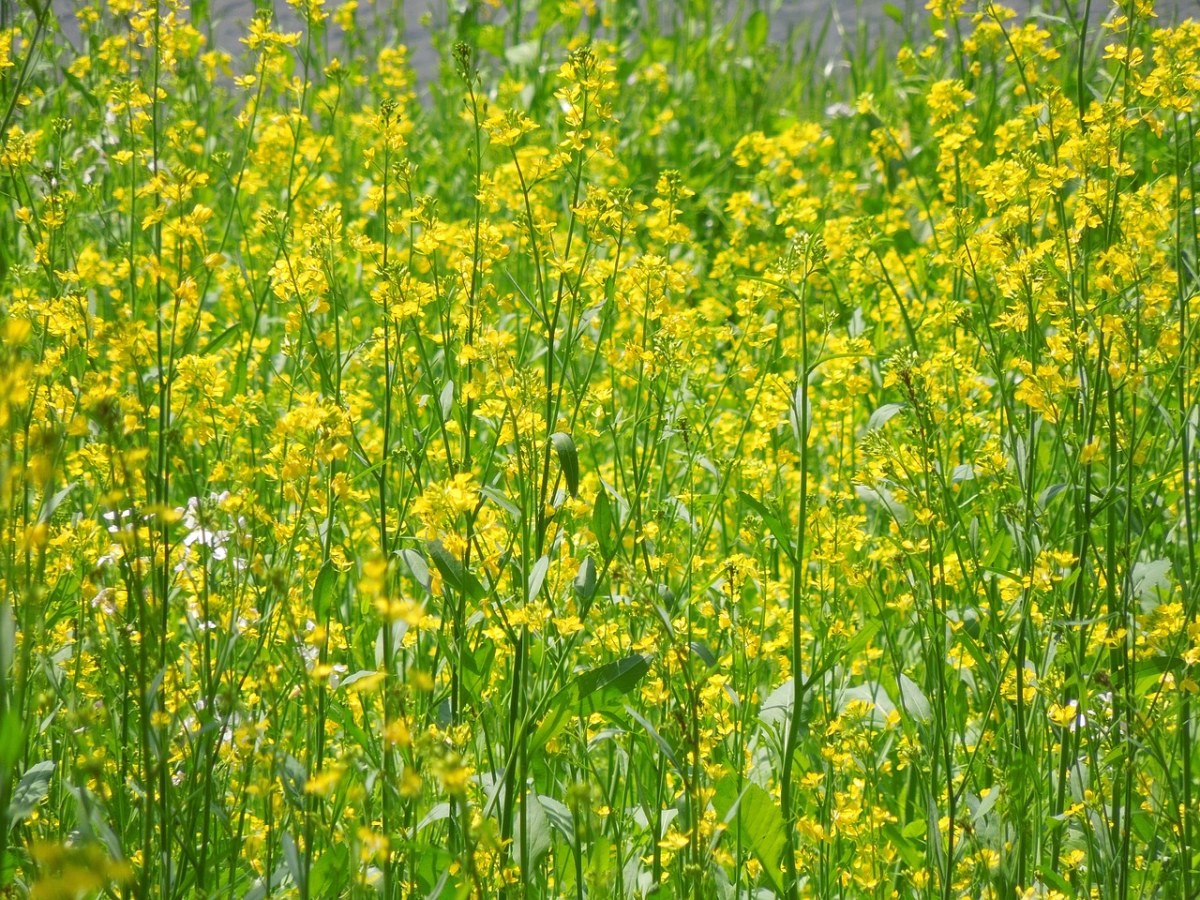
(818, 27)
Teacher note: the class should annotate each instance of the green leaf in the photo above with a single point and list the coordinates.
(776, 709)
(773, 523)
(8, 652)
(490, 39)
(568, 459)
(503, 502)
(756, 30)
(293, 778)
(916, 704)
(702, 651)
(537, 577)
(31, 790)
(585, 581)
(753, 815)
(330, 872)
(8, 866)
(419, 569)
(259, 890)
(602, 522)
(453, 572)
(1049, 494)
(1054, 880)
(559, 816)
(883, 415)
(557, 716)
(872, 693)
(55, 501)
(537, 837)
(899, 840)
(596, 689)
(477, 667)
(291, 858)
(862, 639)
(81, 88)
(984, 806)
(600, 860)
(437, 813)
(1151, 580)
(622, 676)
(217, 342)
(323, 590)
(666, 748)
(358, 676)
(893, 12)
(915, 829)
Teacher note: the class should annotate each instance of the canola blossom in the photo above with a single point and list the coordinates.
(637, 459)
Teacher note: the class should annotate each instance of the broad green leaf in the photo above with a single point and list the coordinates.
(915, 829)
(537, 578)
(964, 472)
(477, 667)
(291, 858)
(984, 806)
(418, 567)
(293, 778)
(777, 707)
(491, 39)
(657, 737)
(538, 825)
(558, 714)
(706, 655)
(330, 872)
(916, 704)
(453, 572)
(756, 30)
(323, 590)
(585, 581)
(503, 502)
(1055, 881)
(600, 860)
(1151, 579)
(603, 522)
(32, 789)
(622, 675)
(8, 866)
(774, 524)
(559, 816)
(77, 83)
(883, 415)
(872, 693)
(595, 689)
(260, 888)
(1050, 493)
(55, 502)
(437, 813)
(900, 841)
(752, 814)
(862, 638)
(568, 459)
(367, 680)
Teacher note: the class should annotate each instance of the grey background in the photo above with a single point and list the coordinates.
(229, 18)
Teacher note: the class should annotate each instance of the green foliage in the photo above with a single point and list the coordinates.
(635, 454)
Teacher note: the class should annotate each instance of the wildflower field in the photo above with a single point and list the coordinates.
(640, 458)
